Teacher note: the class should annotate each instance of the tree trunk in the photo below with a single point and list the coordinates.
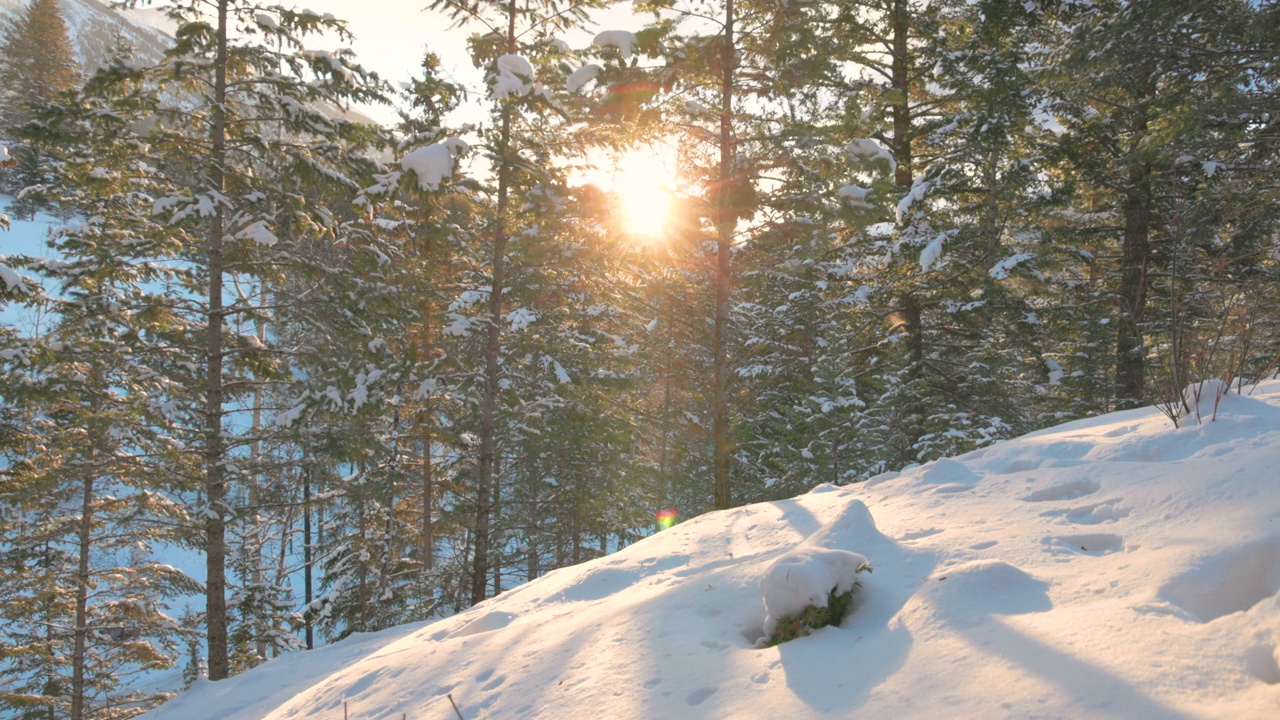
(909, 313)
(307, 590)
(1130, 358)
(81, 632)
(726, 221)
(486, 481)
(215, 474)
(428, 494)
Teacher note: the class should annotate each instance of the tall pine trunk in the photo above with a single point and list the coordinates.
(84, 543)
(726, 221)
(487, 481)
(215, 473)
(1131, 365)
(909, 310)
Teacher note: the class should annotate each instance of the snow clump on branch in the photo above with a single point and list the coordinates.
(871, 152)
(623, 40)
(514, 76)
(581, 77)
(433, 163)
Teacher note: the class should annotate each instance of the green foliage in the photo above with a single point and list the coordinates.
(838, 607)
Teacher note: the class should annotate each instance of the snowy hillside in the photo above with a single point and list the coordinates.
(1114, 567)
(96, 29)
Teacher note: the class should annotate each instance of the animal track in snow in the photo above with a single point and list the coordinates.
(1066, 491)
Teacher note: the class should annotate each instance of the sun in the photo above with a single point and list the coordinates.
(643, 180)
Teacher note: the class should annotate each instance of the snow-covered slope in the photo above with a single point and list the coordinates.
(95, 30)
(1109, 568)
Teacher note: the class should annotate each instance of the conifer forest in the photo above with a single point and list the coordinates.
(285, 374)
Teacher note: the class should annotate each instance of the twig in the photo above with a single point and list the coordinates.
(455, 706)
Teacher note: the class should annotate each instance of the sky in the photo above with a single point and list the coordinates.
(392, 35)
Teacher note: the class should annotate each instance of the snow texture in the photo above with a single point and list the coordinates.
(433, 163)
(259, 233)
(581, 77)
(1115, 567)
(1000, 271)
(919, 189)
(514, 76)
(623, 40)
(854, 196)
(932, 253)
(806, 577)
(871, 152)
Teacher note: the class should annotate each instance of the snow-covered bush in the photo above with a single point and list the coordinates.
(809, 589)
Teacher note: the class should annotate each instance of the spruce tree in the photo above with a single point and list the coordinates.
(37, 61)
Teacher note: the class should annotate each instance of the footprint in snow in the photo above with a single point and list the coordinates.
(699, 696)
(1091, 544)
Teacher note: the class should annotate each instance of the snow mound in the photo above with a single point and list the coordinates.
(1110, 567)
(806, 578)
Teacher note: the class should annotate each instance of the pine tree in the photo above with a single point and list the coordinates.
(37, 62)
(519, 150)
(99, 482)
(233, 146)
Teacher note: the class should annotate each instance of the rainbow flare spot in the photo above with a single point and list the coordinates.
(666, 518)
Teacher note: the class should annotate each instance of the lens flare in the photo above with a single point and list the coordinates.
(666, 518)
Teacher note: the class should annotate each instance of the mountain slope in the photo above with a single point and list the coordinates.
(96, 29)
(1113, 567)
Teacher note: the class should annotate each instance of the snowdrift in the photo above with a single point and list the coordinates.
(1112, 567)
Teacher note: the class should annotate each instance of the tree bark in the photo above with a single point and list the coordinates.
(1131, 363)
(726, 221)
(486, 481)
(908, 304)
(215, 473)
(306, 554)
(81, 632)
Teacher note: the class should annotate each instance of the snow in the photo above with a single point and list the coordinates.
(266, 21)
(433, 163)
(919, 189)
(872, 152)
(806, 577)
(581, 77)
(854, 195)
(1000, 271)
(514, 76)
(259, 233)
(623, 40)
(12, 280)
(693, 107)
(932, 253)
(1115, 567)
